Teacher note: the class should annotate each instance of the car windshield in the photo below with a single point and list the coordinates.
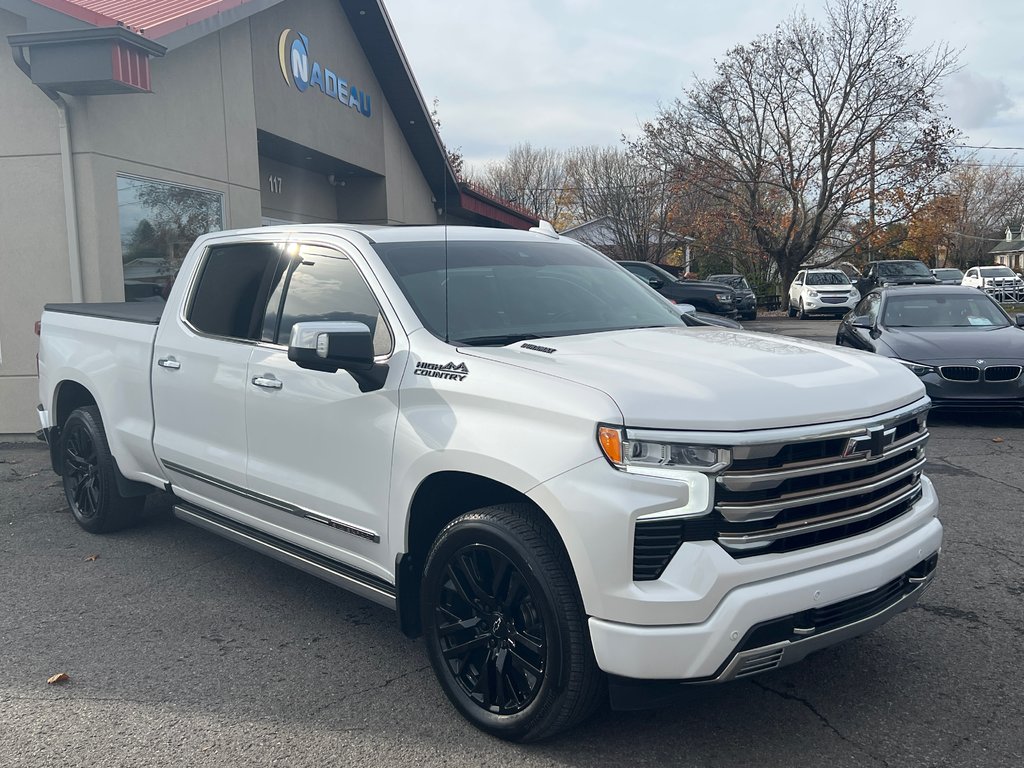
(935, 311)
(949, 274)
(903, 269)
(496, 293)
(739, 282)
(827, 278)
(997, 272)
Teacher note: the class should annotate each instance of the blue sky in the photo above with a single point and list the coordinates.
(562, 73)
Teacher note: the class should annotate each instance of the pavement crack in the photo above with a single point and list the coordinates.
(824, 720)
(995, 551)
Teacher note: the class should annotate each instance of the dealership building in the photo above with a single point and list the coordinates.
(127, 129)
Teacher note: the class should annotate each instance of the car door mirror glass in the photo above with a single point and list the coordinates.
(863, 321)
(329, 346)
(686, 309)
(1019, 321)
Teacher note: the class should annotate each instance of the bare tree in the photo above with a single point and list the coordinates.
(632, 196)
(988, 200)
(532, 178)
(811, 125)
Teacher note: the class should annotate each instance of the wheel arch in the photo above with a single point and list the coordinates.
(439, 499)
(68, 396)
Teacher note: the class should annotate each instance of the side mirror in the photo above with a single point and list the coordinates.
(655, 282)
(1019, 321)
(862, 322)
(686, 309)
(328, 346)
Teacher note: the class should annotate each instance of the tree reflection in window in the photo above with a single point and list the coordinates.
(158, 224)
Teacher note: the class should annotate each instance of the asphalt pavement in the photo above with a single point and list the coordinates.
(184, 649)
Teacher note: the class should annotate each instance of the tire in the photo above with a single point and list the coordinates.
(803, 312)
(88, 472)
(751, 315)
(792, 310)
(504, 625)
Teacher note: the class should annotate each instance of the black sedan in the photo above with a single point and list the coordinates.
(966, 350)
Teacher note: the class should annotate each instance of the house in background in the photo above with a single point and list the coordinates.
(1010, 252)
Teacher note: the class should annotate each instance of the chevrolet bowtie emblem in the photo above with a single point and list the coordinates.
(873, 443)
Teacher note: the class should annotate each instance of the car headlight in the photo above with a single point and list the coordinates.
(813, 294)
(725, 298)
(917, 368)
(634, 452)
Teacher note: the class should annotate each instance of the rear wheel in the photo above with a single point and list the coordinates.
(505, 627)
(89, 475)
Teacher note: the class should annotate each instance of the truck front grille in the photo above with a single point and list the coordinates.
(777, 497)
(781, 495)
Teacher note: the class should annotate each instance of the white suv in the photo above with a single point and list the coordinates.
(821, 291)
(1001, 282)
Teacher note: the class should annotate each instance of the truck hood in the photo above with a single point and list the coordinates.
(717, 379)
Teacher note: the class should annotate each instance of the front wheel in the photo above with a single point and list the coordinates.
(88, 473)
(504, 625)
(792, 310)
(803, 312)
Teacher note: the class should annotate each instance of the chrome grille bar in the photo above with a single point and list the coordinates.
(739, 513)
(771, 478)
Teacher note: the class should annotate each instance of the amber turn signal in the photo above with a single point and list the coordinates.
(611, 443)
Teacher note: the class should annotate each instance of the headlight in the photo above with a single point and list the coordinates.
(813, 294)
(725, 298)
(635, 453)
(917, 368)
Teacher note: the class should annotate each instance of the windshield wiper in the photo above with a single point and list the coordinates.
(497, 340)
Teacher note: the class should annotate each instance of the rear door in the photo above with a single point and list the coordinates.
(319, 448)
(200, 362)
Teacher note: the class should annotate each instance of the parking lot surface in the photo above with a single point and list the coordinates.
(185, 649)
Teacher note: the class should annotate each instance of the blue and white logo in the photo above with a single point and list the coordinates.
(299, 69)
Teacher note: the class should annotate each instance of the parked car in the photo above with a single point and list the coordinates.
(821, 292)
(714, 298)
(746, 301)
(948, 276)
(514, 444)
(960, 343)
(894, 272)
(1000, 282)
(694, 318)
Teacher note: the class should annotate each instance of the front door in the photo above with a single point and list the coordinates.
(319, 448)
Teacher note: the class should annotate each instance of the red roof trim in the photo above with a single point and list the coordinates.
(476, 200)
(153, 18)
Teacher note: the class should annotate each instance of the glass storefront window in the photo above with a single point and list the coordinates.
(159, 222)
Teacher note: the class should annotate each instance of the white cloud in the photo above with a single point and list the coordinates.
(974, 101)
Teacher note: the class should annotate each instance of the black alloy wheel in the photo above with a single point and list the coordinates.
(491, 631)
(88, 471)
(504, 625)
(81, 471)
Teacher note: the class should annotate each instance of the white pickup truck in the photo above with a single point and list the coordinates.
(514, 443)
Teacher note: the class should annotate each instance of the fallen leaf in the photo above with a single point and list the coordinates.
(92, 558)
(60, 677)
(997, 439)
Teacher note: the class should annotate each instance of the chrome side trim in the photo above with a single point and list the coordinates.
(742, 513)
(270, 501)
(336, 573)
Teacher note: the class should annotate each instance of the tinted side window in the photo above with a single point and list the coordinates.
(232, 288)
(323, 285)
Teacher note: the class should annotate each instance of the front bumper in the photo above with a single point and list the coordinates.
(820, 306)
(978, 395)
(763, 625)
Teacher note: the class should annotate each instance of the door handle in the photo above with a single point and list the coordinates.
(267, 382)
(168, 362)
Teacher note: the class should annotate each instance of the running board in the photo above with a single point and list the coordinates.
(341, 575)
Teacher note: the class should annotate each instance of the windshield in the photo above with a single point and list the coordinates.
(739, 282)
(935, 311)
(502, 292)
(949, 274)
(903, 269)
(827, 278)
(997, 272)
